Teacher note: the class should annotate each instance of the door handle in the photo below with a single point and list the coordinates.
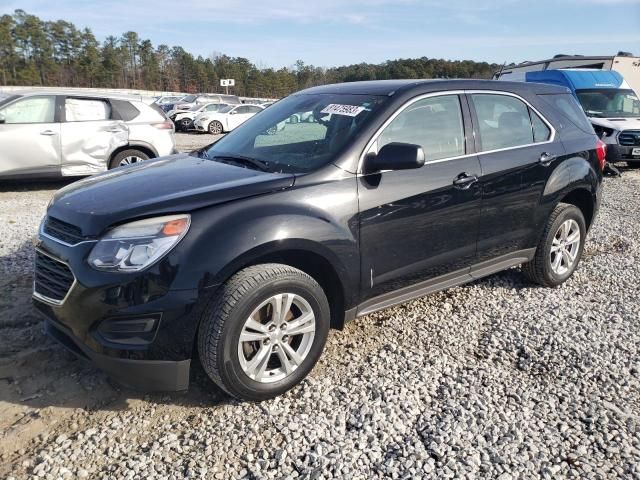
(464, 181)
(47, 132)
(546, 159)
(114, 130)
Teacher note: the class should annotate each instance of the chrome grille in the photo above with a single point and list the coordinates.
(629, 138)
(65, 232)
(53, 279)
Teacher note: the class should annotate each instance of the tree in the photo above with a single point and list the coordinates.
(33, 52)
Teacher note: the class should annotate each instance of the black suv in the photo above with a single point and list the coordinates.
(246, 252)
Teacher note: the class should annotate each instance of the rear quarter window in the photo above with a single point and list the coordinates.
(567, 106)
(125, 111)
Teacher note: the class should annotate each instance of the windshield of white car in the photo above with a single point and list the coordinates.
(188, 99)
(226, 109)
(609, 102)
(6, 98)
(300, 133)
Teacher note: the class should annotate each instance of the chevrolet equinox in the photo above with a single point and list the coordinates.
(245, 253)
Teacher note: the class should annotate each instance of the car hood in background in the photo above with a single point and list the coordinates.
(617, 123)
(174, 184)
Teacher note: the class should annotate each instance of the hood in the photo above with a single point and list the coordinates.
(174, 184)
(619, 123)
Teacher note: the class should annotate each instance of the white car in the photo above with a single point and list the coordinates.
(226, 119)
(183, 120)
(53, 133)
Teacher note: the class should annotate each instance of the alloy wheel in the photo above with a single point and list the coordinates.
(565, 247)
(276, 338)
(131, 159)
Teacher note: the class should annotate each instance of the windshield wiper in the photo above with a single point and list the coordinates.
(247, 161)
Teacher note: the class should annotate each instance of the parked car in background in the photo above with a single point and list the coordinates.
(167, 107)
(226, 119)
(168, 99)
(55, 133)
(247, 251)
(612, 106)
(207, 98)
(183, 119)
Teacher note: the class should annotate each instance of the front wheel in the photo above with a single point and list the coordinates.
(215, 128)
(263, 331)
(560, 248)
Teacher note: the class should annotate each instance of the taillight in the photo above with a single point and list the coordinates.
(601, 153)
(166, 125)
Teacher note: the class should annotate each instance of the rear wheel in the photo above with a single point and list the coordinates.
(560, 248)
(215, 128)
(263, 331)
(127, 157)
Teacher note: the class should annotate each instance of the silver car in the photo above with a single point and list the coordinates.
(57, 133)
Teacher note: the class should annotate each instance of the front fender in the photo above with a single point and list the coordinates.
(224, 239)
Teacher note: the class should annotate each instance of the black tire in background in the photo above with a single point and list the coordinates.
(224, 319)
(540, 269)
(127, 157)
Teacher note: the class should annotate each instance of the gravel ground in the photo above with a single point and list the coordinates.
(495, 379)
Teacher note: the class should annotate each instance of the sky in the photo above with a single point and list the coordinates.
(276, 33)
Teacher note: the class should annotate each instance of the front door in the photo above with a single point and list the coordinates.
(30, 137)
(420, 224)
(90, 135)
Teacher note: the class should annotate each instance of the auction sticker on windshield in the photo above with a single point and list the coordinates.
(338, 109)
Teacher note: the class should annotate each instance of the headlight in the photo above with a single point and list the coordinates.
(135, 246)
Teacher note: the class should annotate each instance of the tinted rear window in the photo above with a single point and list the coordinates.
(126, 111)
(569, 108)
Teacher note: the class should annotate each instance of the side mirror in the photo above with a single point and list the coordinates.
(395, 156)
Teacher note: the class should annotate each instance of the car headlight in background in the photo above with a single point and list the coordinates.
(135, 246)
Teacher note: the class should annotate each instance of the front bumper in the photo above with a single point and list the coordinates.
(148, 375)
(96, 302)
(621, 153)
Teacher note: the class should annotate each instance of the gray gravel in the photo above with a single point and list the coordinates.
(496, 379)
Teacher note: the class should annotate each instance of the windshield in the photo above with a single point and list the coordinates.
(300, 133)
(6, 98)
(188, 99)
(609, 102)
(225, 109)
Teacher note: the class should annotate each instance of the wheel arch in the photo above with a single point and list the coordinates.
(147, 149)
(306, 256)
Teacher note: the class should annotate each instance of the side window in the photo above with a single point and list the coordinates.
(541, 132)
(503, 121)
(30, 110)
(254, 109)
(434, 123)
(86, 110)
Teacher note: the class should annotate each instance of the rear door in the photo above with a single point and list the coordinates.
(518, 149)
(30, 137)
(90, 134)
(416, 225)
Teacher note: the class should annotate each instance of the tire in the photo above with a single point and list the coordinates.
(127, 157)
(215, 128)
(228, 360)
(544, 269)
(635, 164)
(184, 124)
